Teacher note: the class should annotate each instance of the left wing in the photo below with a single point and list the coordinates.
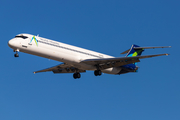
(62, 68)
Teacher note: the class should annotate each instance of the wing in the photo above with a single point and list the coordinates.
(62, 68)
(101, 63)
(116, 62)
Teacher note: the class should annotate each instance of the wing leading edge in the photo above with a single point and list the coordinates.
(62, 68)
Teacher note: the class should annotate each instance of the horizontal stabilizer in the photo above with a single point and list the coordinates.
(151, 47)
(136, 48)
(149, 56)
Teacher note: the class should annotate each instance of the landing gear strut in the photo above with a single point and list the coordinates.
(16, 54)
(76, 75)
(97, 72)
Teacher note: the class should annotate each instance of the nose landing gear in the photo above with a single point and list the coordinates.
(16, 54)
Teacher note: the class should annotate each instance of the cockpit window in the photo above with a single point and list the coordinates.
(21, 36)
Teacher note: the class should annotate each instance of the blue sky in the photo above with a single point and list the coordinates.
(110, 27)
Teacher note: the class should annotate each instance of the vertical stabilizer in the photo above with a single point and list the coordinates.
(134, 52)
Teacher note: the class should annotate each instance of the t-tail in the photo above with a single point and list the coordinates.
(135, 50)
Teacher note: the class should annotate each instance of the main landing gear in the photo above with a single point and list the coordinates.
(76, 75)
(16, 54)
(97, 73)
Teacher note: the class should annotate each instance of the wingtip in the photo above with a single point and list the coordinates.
(167, 54)
(34, 72)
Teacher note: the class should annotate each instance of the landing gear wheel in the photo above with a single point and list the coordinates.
(16, 55)
(97, 72)
(76, 75)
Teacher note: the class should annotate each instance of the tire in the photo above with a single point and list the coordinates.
(16, 55)
(97, 72)
(76, 75)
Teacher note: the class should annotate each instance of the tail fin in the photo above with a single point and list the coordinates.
(134, 52)
(137, 51)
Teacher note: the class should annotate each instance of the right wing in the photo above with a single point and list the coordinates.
(101, 63)
(62, 68)
(116, 62)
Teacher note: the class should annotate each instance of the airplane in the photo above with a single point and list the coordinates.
(77, 60)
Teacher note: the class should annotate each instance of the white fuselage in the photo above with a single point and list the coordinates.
(59, 51)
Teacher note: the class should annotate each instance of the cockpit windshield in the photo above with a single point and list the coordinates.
(21, 36)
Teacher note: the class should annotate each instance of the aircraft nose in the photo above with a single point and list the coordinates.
(11, 43)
